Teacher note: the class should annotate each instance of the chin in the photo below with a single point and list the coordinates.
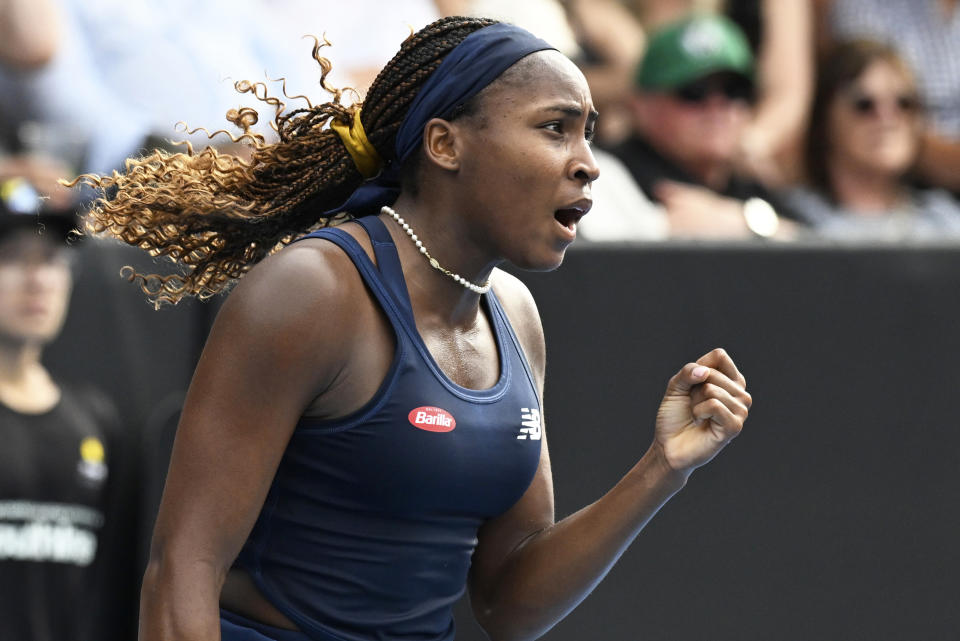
(40, 338)
(892, 169)
(544, 263)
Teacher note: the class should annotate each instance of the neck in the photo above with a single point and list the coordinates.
(865, 191)
(430, 289)
(25, 384)
(17, 359)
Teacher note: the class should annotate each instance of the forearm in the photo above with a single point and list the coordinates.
(557, 568)
(780, 122)
(29, 32)
(786, 68)
(180, 603)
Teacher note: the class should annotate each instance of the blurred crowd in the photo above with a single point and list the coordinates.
(720, 119)
(737, 120)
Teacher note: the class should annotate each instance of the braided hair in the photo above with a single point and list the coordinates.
(217, 214)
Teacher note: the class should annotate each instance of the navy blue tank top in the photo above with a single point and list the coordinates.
(370, 523)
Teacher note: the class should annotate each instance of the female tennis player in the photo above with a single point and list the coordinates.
(363, 438)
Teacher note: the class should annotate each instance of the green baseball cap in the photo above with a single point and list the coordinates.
(692, 48)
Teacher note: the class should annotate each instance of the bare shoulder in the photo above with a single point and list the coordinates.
(297, 304)
(521, 309)
(302, 280)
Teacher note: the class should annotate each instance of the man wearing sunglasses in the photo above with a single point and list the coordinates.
(693, 98)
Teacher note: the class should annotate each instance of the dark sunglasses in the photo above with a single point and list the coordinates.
(865, 105)
(699, 91)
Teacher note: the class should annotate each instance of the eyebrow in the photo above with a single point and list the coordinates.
(574, 112)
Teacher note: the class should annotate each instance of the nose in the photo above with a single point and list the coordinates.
(584, 167)
(34, 277)
(41, 276)
(889, 112)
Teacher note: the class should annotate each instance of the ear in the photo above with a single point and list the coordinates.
(442, 144)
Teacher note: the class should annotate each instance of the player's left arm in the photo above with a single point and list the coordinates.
(529, 571)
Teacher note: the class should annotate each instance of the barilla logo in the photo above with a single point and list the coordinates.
(432, 419)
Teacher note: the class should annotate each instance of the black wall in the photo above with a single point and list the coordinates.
(834, 515)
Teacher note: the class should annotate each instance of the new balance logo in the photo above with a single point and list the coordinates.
(530, 419)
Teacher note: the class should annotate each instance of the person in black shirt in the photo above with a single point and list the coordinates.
(694, 89)
(61, 576)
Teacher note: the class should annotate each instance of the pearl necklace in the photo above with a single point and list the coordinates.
(480, 289)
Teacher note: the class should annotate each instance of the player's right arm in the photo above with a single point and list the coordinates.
(283, 338)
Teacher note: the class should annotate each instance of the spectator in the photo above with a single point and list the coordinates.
(55, 103)
(63, 569)
(927, 35)
(691, 104)
(780, 33)
(865, 137)
(102, 84)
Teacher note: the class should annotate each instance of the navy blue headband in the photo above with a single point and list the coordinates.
(471, 66)
(468, 68)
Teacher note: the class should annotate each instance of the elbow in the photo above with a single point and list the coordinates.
(151, 589)
(179, 599)
(508, 624)
(156, 578)
(152, 575)
(173, 564)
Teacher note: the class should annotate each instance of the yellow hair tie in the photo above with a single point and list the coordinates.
(354, 138)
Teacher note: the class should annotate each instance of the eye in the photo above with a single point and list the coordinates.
(555, 126)
(590, 133)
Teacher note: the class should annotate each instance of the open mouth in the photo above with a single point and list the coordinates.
(569, 217)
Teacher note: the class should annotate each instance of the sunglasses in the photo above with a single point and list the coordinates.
(731, 88)
(866, 105)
